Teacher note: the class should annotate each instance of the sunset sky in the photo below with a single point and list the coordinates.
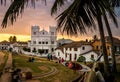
(40, 15)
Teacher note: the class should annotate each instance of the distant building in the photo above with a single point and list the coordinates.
(63, 41)
(42, 40)
(97, 46)
(18, 46)
(13, 46)
(4, 45)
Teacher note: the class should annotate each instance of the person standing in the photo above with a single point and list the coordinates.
(99, 76)
(48, 56)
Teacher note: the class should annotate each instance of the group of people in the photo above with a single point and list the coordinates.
(49, 57)
(59, 60)
(16, 75)
(31, 59)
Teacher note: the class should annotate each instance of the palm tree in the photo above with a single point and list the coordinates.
(83, 13)
(112, 44)
(79, 16)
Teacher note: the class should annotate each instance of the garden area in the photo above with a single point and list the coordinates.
(42, 67)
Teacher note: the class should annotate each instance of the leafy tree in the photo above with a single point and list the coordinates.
(10, 39)
(81, 59)
(40, 51)
(14, 39)
(26, 49)
(10, 49)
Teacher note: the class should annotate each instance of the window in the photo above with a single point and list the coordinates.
(42, 42)
(75, 57)
(34, 33)
(46, 42)
(52, 49)
(58, 53)
(75, 49)
(47, 51)
(39, 42)
(52, 42)
(66, 55)
(52, 33)
(97, 47)
(83, 48)
(92, 56)
(34, 42)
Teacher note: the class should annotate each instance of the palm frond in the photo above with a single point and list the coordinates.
(81, 14)
(115, 3)
(16, 8)
(76, 18)
(56, 5)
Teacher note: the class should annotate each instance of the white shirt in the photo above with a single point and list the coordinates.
(99, 76)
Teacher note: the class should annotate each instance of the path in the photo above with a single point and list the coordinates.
(6, 77)
(35, 78)
(52, 72)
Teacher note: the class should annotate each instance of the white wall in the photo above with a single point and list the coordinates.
(87, 48)
(72, 52)
(88, 56)
(59, 53)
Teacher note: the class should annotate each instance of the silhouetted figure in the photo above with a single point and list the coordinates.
(62, 60)
(48, 56)
(51, 57)
(99, 75)
(32, 59)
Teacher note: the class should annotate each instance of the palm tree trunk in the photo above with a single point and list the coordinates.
(112, 44)
(104, 51)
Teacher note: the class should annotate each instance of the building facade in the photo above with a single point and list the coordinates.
(74, 50)
(43, 41)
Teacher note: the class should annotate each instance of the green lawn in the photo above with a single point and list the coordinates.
(64, 74)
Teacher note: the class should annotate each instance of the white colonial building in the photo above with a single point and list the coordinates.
(13, 46)
(74, 50)
(42, 40)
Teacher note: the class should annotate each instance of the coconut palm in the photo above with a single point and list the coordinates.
(112, 44)
(82, 14)
(78, 17)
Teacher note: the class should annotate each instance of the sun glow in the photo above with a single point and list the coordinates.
(19, 37)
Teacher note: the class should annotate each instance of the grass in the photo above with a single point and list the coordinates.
(64, 74)
(22, 61)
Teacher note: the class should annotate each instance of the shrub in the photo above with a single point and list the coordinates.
(81, 59)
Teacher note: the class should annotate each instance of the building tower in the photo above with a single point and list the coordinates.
(52, 31)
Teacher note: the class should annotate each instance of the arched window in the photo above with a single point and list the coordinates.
(83, 48)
